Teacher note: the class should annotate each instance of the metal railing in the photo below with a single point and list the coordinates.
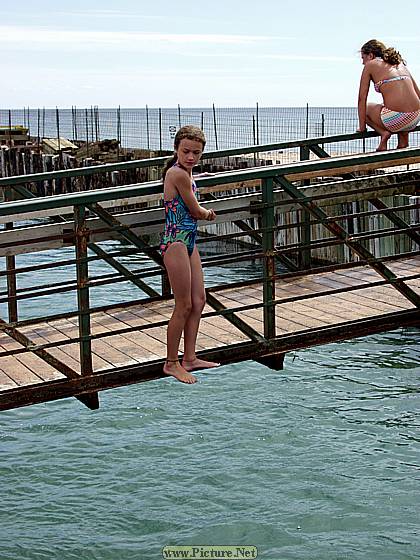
(67, 232)
(266, 154)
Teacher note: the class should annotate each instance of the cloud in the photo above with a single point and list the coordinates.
(24, 37)
(109, 14)
(414, 39)
(308, 58)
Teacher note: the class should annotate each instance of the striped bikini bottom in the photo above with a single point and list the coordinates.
(399, 122)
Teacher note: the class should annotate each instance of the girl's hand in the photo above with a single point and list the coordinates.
(211, 215)
(360, 129)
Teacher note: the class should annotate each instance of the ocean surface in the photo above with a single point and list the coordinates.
(318, 461)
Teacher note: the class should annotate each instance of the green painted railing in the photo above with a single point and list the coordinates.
(85, 221)
(403, 157)
(160, 161)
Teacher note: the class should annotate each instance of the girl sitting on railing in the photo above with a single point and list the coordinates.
(400, 111)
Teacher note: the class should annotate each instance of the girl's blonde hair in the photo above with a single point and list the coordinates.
(191, 133)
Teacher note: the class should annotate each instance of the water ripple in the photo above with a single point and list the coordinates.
(319, 460)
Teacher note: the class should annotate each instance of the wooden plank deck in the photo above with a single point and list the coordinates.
(26, 377)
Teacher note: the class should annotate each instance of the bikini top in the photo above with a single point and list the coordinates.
(377, 85)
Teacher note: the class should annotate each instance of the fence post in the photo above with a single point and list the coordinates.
(118, 132)
(10, 128)
(215, 127)
(87, 132)
(39, 128)
(257, 128)
(160, 129)
(11, 270)
(147, 127)
(96, 115)
(75, 136)
(304, 257)
(57, 120)
(83, 305)
(254, 139)
(29, 123)
(269, 284)
(91, 124)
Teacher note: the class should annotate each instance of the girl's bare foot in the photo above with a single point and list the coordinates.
(174, 368)
(191, 365)
(383, 144)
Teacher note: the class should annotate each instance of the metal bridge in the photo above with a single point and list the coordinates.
(335, 242)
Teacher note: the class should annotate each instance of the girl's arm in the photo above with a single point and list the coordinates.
(363, 94)
(182, 182)
(416, 87)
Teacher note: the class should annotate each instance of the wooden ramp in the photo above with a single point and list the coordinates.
(129, 344)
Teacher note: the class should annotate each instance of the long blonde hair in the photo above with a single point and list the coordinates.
(191, 133)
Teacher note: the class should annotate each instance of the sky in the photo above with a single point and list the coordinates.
(132, 53)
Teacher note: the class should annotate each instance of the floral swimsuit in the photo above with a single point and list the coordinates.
(179, 224)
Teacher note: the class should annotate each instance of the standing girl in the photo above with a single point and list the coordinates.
(180, 254)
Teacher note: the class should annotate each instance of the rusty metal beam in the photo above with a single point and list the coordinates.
(90, 400)
(269, 283)
(125, 231)
(118, 377)
(81, 235)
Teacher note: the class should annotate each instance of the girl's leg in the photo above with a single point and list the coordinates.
(402, 140)
(198, 301)
(177, 264)
(373, 119)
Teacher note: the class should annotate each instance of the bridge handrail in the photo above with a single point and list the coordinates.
(298, 170)
(159, 161)
(337, 238)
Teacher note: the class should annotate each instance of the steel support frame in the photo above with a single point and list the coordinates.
(376, 202)
(136, 240)
(269, 283)
(81, 235)
(355, 246)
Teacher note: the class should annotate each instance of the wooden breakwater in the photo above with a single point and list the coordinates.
(24, 160)
(37, 158)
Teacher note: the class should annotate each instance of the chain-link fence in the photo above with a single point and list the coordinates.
(155, 128)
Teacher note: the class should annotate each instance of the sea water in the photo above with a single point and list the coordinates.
(318, 461)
